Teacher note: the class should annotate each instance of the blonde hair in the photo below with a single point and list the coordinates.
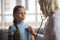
(49, 5)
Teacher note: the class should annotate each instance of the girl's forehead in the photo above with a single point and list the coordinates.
(21, 10)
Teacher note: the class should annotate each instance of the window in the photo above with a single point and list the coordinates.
(0, 6)
(8, 6)
(26, 4)
(58, 3)
(0, 23)
(8, 21)
(33, 10)
(6, 13)
(0, 16)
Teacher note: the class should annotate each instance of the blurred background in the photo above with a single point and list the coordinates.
(33, 13)
(6, 11)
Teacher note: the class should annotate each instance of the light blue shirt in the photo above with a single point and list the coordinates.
(23, 33)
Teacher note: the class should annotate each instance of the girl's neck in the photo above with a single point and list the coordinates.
(20, 22)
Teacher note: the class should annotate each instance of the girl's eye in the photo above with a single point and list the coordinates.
(24, 13)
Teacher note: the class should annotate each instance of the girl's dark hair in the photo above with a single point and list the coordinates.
(14, 12)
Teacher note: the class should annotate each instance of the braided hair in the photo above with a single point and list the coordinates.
(15, 10)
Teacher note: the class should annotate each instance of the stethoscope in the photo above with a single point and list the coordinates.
(42, 18)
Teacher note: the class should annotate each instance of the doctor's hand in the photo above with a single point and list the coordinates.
(31, 31)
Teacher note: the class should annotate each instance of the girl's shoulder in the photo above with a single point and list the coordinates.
(12, 27)
(11, 30)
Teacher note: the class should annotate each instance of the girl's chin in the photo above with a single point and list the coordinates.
(21, 20)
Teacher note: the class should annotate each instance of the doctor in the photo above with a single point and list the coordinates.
(49, 9)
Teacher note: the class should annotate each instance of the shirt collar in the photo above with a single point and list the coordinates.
(20, 22)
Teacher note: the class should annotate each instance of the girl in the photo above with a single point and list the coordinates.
(17, 30)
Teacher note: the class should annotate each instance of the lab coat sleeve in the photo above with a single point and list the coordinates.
(57, 25)
(40, 37)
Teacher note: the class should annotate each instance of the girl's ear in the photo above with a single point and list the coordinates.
(14, 15)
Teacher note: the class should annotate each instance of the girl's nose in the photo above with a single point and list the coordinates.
(23, 14)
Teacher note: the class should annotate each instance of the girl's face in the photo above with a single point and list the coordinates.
(20, 14)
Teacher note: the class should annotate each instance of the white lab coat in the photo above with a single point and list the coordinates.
(56, 28)
(57, 24)
(40, 37)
